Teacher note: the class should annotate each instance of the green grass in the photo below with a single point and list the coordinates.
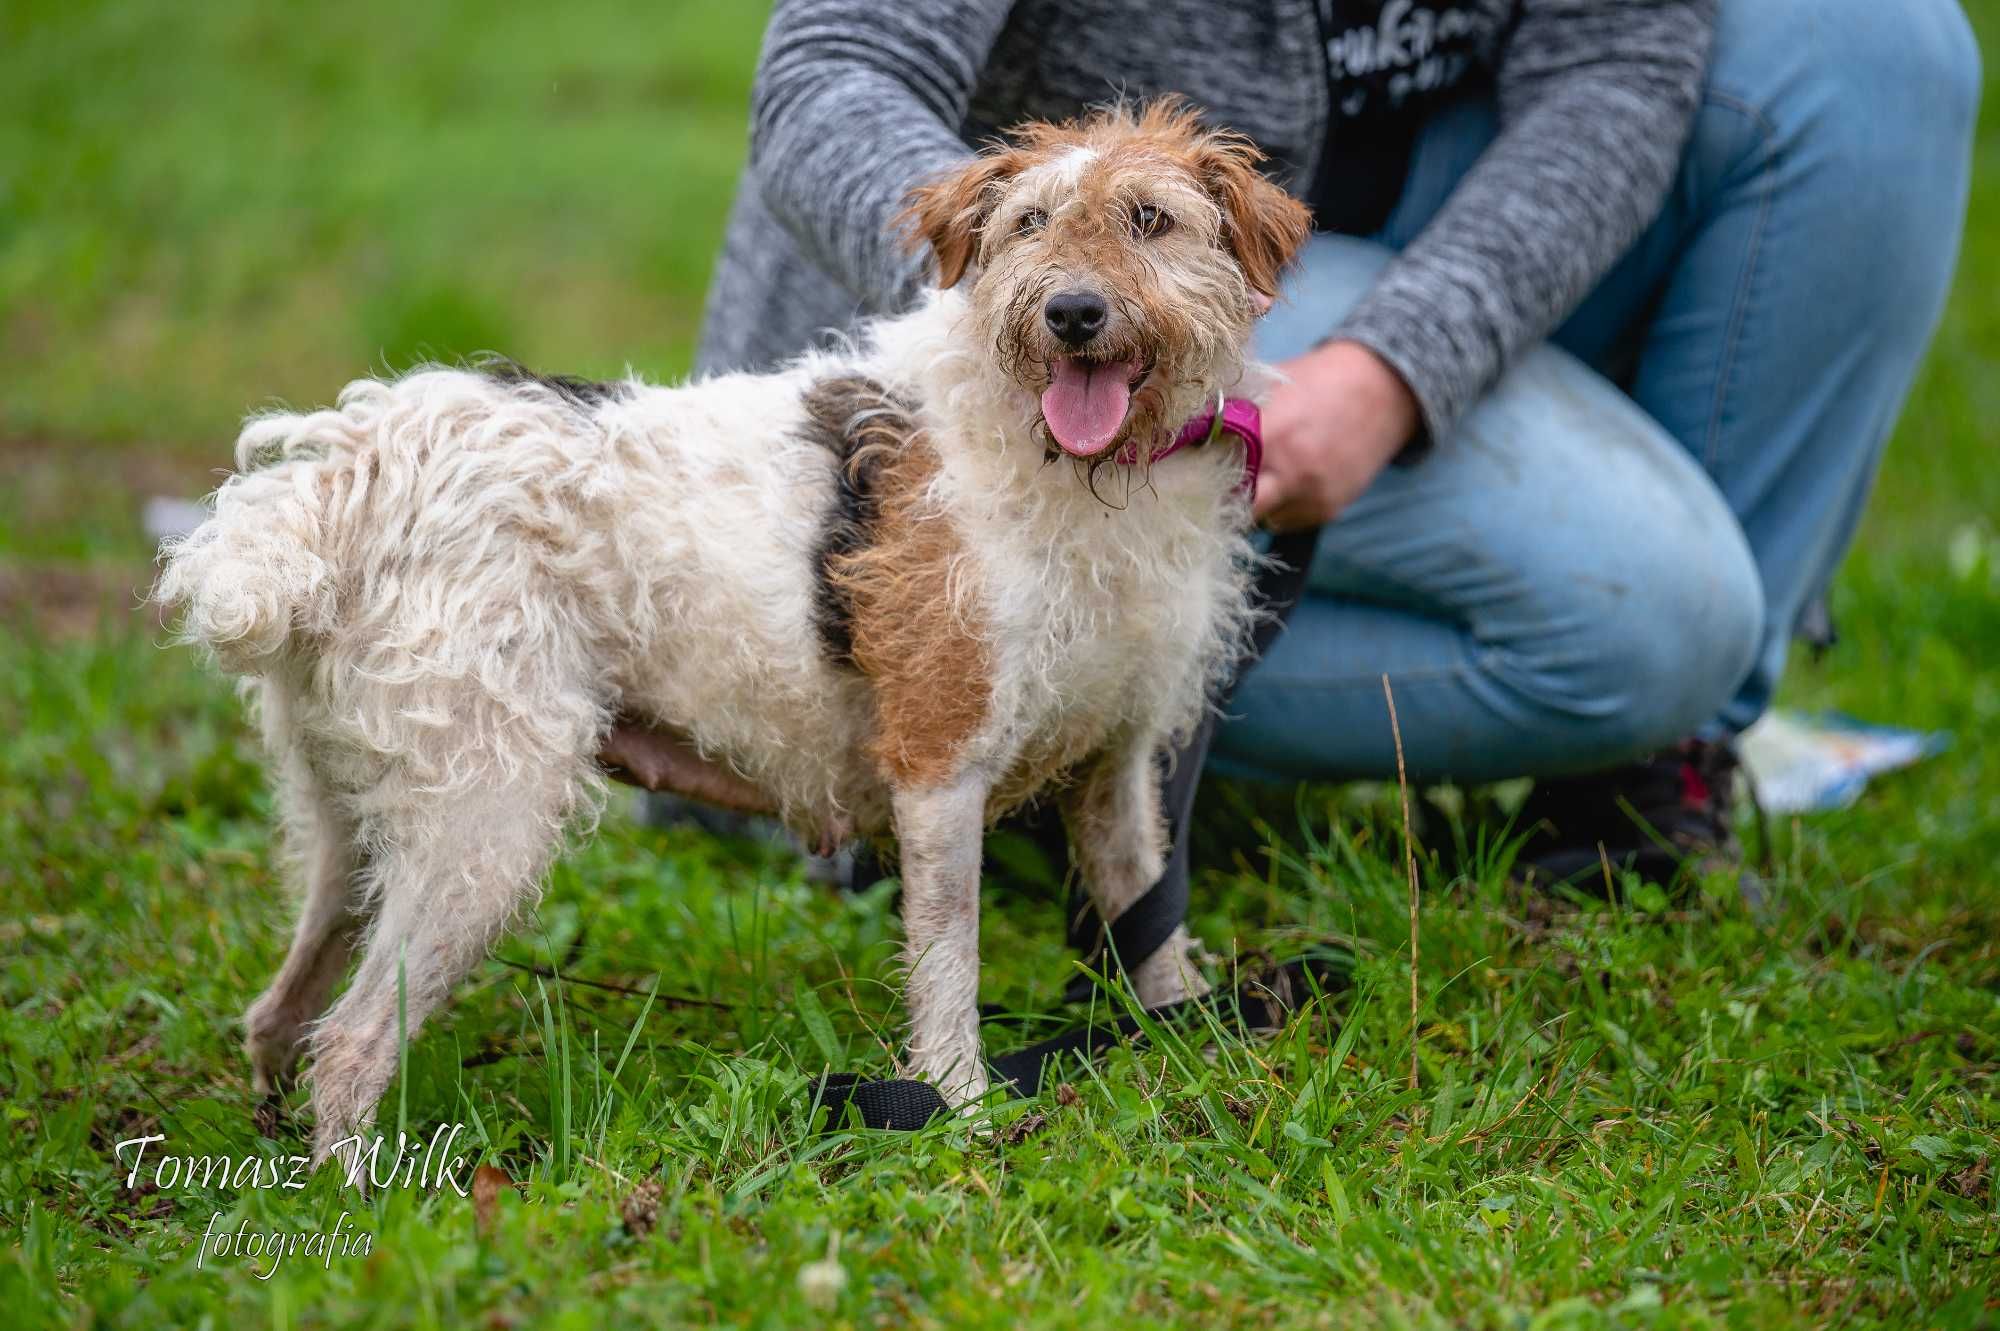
(287, 196)
(1626, 1115)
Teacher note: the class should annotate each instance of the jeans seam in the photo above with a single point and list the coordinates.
(1739, 313)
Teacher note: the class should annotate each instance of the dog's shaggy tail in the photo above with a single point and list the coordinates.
(261, 569)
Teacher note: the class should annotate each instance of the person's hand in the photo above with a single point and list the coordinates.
(1328, 432)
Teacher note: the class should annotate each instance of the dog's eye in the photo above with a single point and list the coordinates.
(1030, 222)
(1149, 221)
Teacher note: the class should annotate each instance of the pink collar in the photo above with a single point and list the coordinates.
(1237, 415)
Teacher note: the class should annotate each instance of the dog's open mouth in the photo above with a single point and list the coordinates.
(1086, 401)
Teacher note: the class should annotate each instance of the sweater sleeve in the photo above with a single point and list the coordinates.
(1596, 101)
(854, 102)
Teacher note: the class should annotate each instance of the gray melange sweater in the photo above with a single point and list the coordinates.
(857, 100)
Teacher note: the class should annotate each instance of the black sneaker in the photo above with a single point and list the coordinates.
(1658, 818)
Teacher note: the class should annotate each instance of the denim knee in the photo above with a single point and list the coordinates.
(1646, 660)
(1849, 125)
(1924, 64)
(1903, 80)
(1854, 85)
(1961, 67)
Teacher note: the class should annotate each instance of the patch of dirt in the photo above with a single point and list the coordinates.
(61, 496)
(67, 601)
(140, 469)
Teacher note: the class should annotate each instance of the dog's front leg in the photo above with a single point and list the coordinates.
(939, 830)
(1117, 832)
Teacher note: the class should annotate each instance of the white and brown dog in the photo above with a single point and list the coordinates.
(856, 587)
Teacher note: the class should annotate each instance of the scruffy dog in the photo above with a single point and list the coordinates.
(897, 589)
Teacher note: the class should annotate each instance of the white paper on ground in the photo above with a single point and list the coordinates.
(1809, 764)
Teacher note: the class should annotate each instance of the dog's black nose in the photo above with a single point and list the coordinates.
(1076, 316)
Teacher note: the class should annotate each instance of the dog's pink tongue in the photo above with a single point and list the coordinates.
(1085, 403)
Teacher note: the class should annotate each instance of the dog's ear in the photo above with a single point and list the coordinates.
(948, 213)
(1262, 225)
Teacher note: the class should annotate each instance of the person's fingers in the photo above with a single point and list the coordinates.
(1292, 516)
(1270, 506)
(1274, 509)
(1288, 503)
(1267, 496)
(1293, 503)
(1276, 485)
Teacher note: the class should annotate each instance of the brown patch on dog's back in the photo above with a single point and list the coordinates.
(887, 603)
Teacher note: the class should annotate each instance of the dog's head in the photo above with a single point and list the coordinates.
(1118, 262)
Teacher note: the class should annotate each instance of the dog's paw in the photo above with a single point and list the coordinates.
(968, 1096)
(960, 1078)
(271, 1041)
(1172, 974)
(271, 1117)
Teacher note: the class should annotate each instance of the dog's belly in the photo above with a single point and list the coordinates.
(808, 763)
(786, 721)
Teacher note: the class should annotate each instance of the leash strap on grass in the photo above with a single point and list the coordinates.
(1258, 1004)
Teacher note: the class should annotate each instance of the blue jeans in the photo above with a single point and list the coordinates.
(1582, 573)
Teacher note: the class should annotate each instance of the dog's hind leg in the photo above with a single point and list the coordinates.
(324, 845)
(1117, 834)
(938, 831)
(446, 886)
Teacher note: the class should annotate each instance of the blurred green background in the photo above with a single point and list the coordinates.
(204, 207)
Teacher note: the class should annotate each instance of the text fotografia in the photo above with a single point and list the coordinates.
(428, 1165)
(274, 1246)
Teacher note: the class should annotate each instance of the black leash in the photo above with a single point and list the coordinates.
(1137, 933)
(1260, 1004)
